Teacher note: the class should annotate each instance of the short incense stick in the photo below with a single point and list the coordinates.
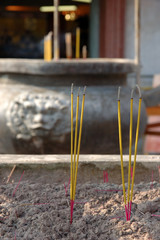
(66, 188)
(10, 175)
(74, 166)
(121, 152)
(17, 185)
(136, 144)
(105, 176)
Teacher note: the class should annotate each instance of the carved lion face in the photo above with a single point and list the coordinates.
(31, 114)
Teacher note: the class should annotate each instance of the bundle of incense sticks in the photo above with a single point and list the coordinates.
(128, 204)
(74, 163)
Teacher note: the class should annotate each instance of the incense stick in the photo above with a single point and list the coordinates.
(79, 143)
(136, 144)
(154, 215)
(10, 175)
(130, 150)
(74, 165)
(75, 138)
(17, 185)
(121, 152)
(130, 193)
(105, 176)
(71, 170)
(66, 188)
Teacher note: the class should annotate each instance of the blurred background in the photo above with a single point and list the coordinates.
(25, 23)
(107, 31)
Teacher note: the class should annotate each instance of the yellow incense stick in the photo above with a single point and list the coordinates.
(136, 144)
(77, 42)
(71, 170)
(120, 145)
(79, 144)
(75, 139)
(130, 148)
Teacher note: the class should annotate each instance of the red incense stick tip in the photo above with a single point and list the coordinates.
(72, 205)
(126, 210)
(104, 176)
(131, 172)
(130, 207)
(129, 210)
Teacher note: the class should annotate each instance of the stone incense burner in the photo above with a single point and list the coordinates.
(35, 105)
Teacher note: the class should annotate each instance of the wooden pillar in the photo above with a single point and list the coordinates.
(94, 29)
(112, 22)
(137, 38)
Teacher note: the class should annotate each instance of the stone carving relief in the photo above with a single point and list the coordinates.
(39, 115)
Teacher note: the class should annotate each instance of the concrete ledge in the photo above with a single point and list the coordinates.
(63, 161)
(65, 66)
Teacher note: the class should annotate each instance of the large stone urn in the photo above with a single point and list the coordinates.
(35, 105)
